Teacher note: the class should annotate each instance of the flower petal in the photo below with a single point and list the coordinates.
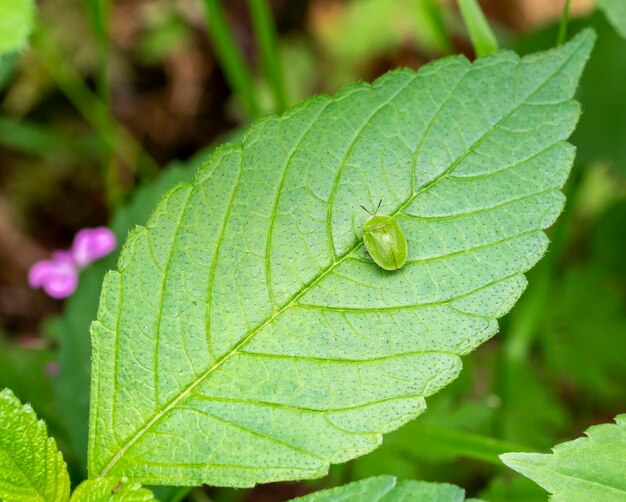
(58, 278)
(91, 244)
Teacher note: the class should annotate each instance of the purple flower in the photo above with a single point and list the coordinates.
(91, 244)
(59, 276)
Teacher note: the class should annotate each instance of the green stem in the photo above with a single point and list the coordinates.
(98, 11)
(483, 39)
(34, 139)
(464, 444)
(564, 22)
(432, 26)
(198, 495)
(99, 17)
(230, 57)
(95, 112)
(265, 32)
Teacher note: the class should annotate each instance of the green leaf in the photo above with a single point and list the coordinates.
(590, 468)
(16, 23)
(247, 337)
(111, 489)
(615, 11)
(31, 467)
(385, 489)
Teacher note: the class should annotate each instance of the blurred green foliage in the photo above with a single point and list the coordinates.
(615, 11)
(16, 23)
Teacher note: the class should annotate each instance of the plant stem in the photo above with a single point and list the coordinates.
(564, 22)
(483, 39)
(198, 495)
(95, 112)
(462, 443)
(230, 57)
(265, 32)
(99, 16)
(98, 11)
(33, 139)
(432, 25)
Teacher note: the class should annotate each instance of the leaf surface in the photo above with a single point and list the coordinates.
(31, 467)
(588, 468)
(386, 489)
(246, 337)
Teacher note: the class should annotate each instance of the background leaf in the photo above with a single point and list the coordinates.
(385, 489)
(246, 336)
(590, 468)
(16, 23)
(31, 467)
(615, 11)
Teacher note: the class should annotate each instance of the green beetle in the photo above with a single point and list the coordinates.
(385, 241)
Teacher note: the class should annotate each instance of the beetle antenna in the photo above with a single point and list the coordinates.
(378, 207)
(366, 211)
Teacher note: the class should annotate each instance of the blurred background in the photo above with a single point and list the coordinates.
(114, 101)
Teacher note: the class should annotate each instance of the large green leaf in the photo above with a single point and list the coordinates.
(387, 489)
(615, 11)
(590, 468)
(31, 467)
(248, 338)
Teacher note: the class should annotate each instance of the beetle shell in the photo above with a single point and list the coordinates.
(385, 242)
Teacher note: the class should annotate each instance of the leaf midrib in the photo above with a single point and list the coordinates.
(305, 289)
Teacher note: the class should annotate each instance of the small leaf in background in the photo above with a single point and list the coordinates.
(588, 468)
(387, 489)
(16, 23)
(111, 489)
(247, 338)
(615, 11)
(31, 467)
